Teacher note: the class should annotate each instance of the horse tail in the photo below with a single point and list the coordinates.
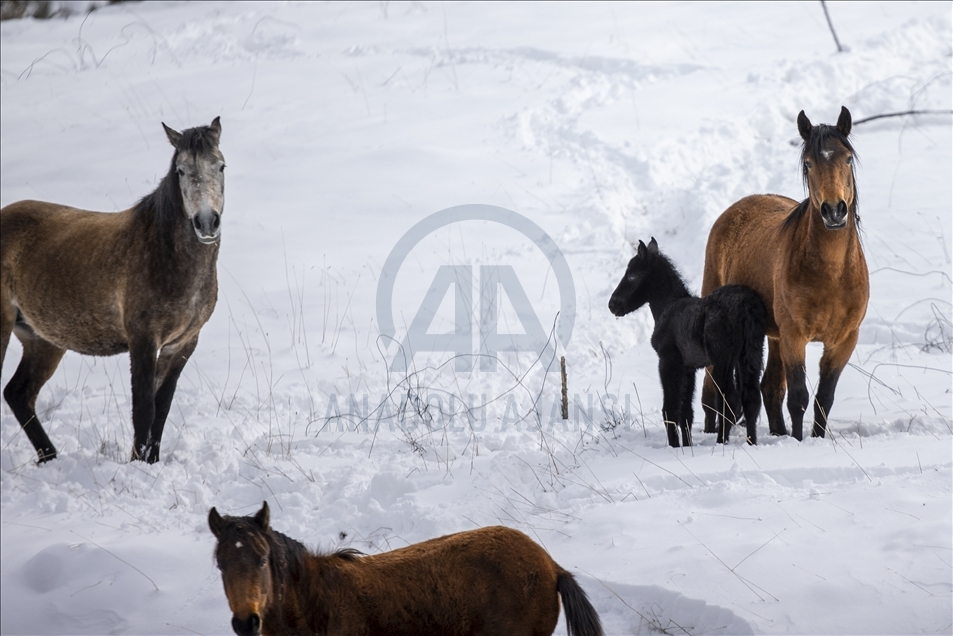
(753, 329)
(581, 616)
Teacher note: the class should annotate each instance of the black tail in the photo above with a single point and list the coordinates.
(751, 362)
(581, 617)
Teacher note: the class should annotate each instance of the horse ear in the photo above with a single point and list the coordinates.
(843, 122)
(263, 516)
(175, 137)
(804, 125)
(641, 250)
(653, 246)
(216, 128)
(215, 522)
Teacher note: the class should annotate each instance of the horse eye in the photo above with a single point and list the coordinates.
(264, 561)
(222, 169)
(180, 171)
(807, 165)
(850, 159)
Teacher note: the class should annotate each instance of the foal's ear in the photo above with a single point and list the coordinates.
(804, 125)
(653, 246)
(175, 137)
(263, 516)
(843, 122)
(215, 522)
(216, 128)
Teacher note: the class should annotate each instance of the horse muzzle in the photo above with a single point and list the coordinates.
(250, 626)
(617, 307)
(208, 227)
(834, 216)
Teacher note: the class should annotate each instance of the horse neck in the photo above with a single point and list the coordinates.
(668, 288)
(300, 594)
(288, 563)
(827, 249)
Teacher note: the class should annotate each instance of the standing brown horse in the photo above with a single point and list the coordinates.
(142, 281)
(490, 581)
(806, 262)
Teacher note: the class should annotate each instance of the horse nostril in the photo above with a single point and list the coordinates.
(196, 223)
(842, 209)
(216, 220)
(250, 626)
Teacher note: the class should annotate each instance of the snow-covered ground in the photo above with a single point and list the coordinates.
(347, 124)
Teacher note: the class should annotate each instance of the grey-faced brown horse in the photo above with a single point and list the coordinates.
(806, 262)
(142, 280)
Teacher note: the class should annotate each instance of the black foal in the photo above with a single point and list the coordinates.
(724, 331)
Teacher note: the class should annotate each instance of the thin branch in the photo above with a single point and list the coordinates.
(902, 114)
(840, 49)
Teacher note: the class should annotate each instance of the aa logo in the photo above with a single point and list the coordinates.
(476, 328)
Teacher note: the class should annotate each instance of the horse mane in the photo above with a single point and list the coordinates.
(163, 206)
(811, 149)
(675, 278)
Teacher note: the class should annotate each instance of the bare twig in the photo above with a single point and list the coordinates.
(904, 113)
(840, 49)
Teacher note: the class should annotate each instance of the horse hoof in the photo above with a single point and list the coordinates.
(46, 455)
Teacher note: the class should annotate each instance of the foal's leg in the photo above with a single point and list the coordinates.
(750, 400)
(40, 359)
(142, 357)
(710, 401)
(670, 373)
(168, 368)
(772, 388)
(686, 416)
(833, 362)
(725, 401)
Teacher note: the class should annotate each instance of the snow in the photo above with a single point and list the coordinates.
(346, 124)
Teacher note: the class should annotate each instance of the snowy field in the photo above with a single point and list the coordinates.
(344, 125)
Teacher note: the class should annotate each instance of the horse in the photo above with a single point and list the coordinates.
(806, 262)
(487, 581)
(724, 330)
(142, 280)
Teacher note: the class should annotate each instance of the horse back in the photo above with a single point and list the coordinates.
(488, 581)
(743, 248)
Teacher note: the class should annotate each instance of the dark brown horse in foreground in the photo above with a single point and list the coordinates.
(806, 262)
(142, 281)
(493, 581)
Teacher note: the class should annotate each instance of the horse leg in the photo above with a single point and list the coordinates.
(40, 359)
(833, 362)
(670, 373)
(750, 400)
(772, 388)
(792, 354)
(142, 357)
(722, 378)
(710, 402)
(686, 416)
(168, 368)
(8, 318)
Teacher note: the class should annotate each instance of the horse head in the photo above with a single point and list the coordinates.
(243, 555)
(633, 290)
(827, 158)
(199, 168)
